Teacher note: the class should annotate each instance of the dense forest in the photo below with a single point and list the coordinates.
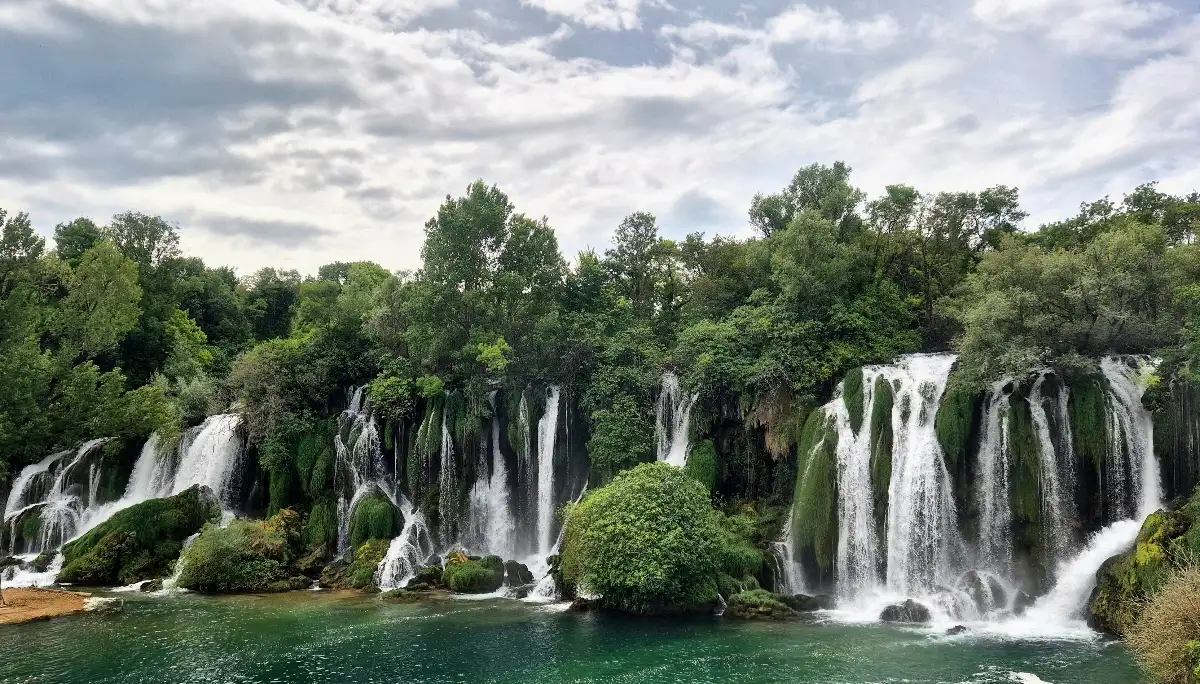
(114, 332)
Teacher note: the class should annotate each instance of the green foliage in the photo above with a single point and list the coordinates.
(474, 576)
(1166, 639)
(139, 542)
(702, 464)
(102, 303)
(320, 533)
(373, 518)
(622, 436)
(646, 542)
(852, 394)
(246, 556)
(881, 450)
(814, 523)
(366, 560)
(430, 386)
(1088, 410)
(392, 397)
(757, 604)
(494, 356)
(955, 426)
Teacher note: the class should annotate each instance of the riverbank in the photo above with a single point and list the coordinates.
(31, 604)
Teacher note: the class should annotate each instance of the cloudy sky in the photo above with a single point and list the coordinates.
(297, 132)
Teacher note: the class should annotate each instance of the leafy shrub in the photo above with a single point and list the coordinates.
(647, 542)
(139, 542)
(1166, 640)
(702, 464)
(367, 558)
(321, 530)
(246, 556)
(474, 576)
(374, 518)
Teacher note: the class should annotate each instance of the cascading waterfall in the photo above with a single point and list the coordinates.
(857, 567)
(492, 527)
(995, 521)
(789, 579)
(547, 433)
(526, 476)
(359, 467)
(54, 491)
(447, 487)
(407, 552)
(213, 459)
(673, 421)
(1054, 495)
(922, 532)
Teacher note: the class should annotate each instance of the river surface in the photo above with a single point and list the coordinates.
(336, 637)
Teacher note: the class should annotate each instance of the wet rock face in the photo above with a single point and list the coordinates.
(517, 574)
(956, 630)
(909, 612)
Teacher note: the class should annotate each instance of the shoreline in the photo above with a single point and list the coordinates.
(30, 604)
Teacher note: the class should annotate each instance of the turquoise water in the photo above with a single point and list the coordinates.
(305, 637)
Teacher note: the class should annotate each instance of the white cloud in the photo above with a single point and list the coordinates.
(1082, 26)
(300, 136)
(827, 28)
(613, 15)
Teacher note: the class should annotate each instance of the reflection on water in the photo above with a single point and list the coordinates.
(337, 637)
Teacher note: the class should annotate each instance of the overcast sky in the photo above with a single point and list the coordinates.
(297, 132)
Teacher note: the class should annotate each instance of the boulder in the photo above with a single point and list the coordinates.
(758, 604)
(909, 612)
(956, 630)
(519, 592)
(151, 586)
(1022, 602)
(517, 574)
(481, 576)
(582, 605)
(400, 596)
(802, 603)
(428, 578)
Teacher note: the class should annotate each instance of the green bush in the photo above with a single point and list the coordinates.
(367, 558)
(814, 522)
(246, 556)
(321, 531)
(852, 395)
(648, 542)
(139, 542)
(373, 518)
(475, 576)
(702, 464)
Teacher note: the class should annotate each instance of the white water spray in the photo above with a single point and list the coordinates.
(995, 523)
(547, 433)
(673, 421)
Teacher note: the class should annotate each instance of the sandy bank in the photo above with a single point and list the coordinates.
(27, 605)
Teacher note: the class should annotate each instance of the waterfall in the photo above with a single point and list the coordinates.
(992, 483)
(1131, 433)
(673, 418)
(789, 579)
(492, 527)
(1054, 496)
(55, 491)
(526, 477)
(151, 479)
(447, 487)
(212, 459)
(547, 433)
(407, 552)
(359, 469)
(857, 567)
(922, 532)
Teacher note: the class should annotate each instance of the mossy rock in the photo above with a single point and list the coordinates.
(814, 508)
(1168, 541)
(956, 426)
(474, 576)
(401, 596)
(428, 578)
(881, 452)
(140, 542)
(758, 604)
(852, 395)
(374, 518)
(246, 556)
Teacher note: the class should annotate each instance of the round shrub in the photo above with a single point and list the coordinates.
(373, 518)
(702, 464)
(647, 543)
(475, 576)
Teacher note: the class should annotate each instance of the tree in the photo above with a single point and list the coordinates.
(150, 241)
(270, 300)
(73, 239)
(631, 260)
(102, 303)
(823, 189)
